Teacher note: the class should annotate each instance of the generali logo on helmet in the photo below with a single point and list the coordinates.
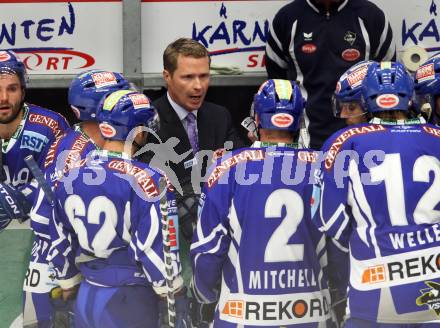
(107, 130)
(387, 101)
(103, 79)
(139, 100)
(425, 72)
(308, 48)
(282, 120)
(4, 56)
(350, 54)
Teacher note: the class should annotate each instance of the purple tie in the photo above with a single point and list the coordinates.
(192, 131)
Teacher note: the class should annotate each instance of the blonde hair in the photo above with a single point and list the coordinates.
(183, 46)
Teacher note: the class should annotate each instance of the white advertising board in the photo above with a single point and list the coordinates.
(234, 32)
(63, 37)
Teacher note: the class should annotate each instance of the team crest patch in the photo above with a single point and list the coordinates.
(387, 101)
(107, 130)
(308, 36)
(430, 297)
(4, 56)
(282, 120)
(350, 54)
(350, 37)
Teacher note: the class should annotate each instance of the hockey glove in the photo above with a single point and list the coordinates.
(13, 205)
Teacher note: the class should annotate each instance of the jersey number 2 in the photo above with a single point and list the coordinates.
(278, 249)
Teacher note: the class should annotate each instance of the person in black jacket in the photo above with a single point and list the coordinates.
(200, 127)
(191, 129)
(315, 41)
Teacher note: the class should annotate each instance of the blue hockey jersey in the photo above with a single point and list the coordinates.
(36, 132)
(65, 152)
(109, 212)
(255, 239)
(378, 193)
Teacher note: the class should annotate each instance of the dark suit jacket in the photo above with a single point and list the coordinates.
(214, 126)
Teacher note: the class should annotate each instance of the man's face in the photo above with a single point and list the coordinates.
(11, 97)
(189, 83)
(353, 113)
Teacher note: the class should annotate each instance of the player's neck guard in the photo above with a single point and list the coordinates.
(412, 121)
(264, 144)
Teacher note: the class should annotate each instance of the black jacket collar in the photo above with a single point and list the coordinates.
(319, 8)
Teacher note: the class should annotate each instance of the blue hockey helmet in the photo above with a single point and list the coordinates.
(427, 83)
(349, 85)
(120, 111)
(387, 87)
(279, 105)
(87, 89)
(11, 64)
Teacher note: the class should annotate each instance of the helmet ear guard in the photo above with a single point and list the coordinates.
(348, 88)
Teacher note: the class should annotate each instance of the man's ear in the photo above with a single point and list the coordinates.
(166, 75)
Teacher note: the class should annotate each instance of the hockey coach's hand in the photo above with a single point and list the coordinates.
(13, 205)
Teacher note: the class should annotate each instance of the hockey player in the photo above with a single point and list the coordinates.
(255, 249)
(347, 95)
(378, 197)
(427, 88)
(25, 129)
(85, 92)
(112, 228)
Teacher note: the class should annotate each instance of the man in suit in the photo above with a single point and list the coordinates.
(191, 129)
(200, 127)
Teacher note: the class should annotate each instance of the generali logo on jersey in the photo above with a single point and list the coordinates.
(350, 54)
(103, 79)
(223, 167)
(282, 120)
(425, 72)
(387, 101)
(433, 131)
(343, 137)
(308, 48)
